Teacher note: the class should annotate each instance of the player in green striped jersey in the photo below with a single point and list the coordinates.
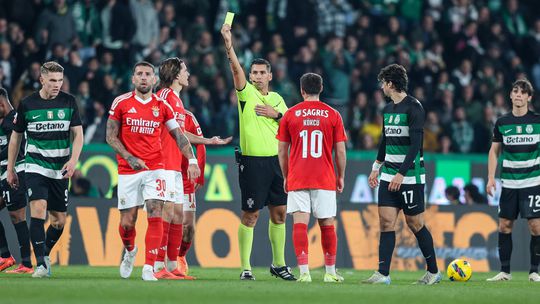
(50, 118)
(403, 175)
(517, 136)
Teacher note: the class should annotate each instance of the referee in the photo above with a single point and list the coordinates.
(261, 181)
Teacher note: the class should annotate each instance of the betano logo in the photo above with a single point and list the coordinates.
(50, 126)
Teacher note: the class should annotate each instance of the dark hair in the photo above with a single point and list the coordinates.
(51, 67)
(261, 61)
(143, 63)
(311, 83)
(452, 192)
(4, 93)
(168, 71)
(525, 85)
(475, 194)
(396, 74)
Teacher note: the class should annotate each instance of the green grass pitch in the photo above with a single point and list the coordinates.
(83, 284)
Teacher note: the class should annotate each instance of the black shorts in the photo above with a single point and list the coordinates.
(410, 198)
(524, 201)
(261, 182)
(14, 199)
(54, 191)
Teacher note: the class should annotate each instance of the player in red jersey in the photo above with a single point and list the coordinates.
(174, 76)
(312, 130)
(190, 204)
(134, 132)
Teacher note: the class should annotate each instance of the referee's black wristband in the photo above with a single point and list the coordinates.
(279, 116)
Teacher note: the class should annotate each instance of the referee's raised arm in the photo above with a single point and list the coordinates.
(239, 76)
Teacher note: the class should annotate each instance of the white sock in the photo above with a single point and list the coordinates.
(304, 269)
(158, 266)
(172, 265)
(331, 269)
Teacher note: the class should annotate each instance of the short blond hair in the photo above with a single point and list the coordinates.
(51, 67)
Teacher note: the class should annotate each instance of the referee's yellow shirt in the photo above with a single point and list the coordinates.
(258, 133)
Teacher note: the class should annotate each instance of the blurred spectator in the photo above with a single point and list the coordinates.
(432, 132)
(82, 187)
(333, 16)
(452, 195)
(462, 133)
(146, 36)
(473, 195)
(96, 131)
(56, 25)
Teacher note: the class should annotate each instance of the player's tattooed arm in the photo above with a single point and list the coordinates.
(113, 128)
(185, 147)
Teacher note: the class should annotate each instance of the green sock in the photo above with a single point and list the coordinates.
(277, 235)
(245, 242)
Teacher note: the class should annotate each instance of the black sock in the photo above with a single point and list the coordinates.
(53, 235)
(425, 242)
(505, 251)
(37, 236)
(4, 250)
(535, 253)
(23, 235)
(387, 242)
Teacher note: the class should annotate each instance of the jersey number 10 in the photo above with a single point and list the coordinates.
(315, 143)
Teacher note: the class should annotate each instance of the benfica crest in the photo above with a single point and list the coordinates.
(155, 111)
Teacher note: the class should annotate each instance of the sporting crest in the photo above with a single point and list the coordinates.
(61, 114)
(529, 129)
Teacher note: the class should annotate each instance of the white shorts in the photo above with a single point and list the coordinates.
(322, 202)
(135, 189)
(175, 187)
(190, 203)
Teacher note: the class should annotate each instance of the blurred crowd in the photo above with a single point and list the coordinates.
(462, 56)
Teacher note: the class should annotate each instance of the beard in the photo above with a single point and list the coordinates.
(145, 89)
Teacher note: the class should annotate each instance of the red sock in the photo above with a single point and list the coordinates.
(175, 238)
(329, 244)
(164, 240)
(300, 241)
(128, 237)
(184, 248)
(153, 239)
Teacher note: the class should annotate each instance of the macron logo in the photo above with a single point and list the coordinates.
(132, 111)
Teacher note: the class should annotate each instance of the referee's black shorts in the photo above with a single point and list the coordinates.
(261, 182)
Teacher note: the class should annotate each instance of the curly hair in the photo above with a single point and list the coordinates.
(397, 75)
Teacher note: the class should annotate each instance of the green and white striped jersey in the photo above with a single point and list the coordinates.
(520, 138)
(400, 121)
(47, 125)
(5, 134)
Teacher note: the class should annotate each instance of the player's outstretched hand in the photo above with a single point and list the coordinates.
(395, 183)
(197, 187)
(13, 179)
(227, 36)
(193, 172)
(136, 163)
(340, 184)
(373, 179)
(216, 140)
(490, 187)
(266, 111)
(68, 169)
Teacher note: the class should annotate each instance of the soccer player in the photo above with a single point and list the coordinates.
(260, 177)
(190, 204)
(312, 130)
(13, 199)
(50, 119)
(517, 135)
(174, 76)
(403, 175)
(134, 132)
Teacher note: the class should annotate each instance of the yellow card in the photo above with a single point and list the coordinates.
(229, 18)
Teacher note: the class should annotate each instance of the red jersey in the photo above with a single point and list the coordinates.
(192, 126)
(312, 128)
(172, 156)
(141, 122)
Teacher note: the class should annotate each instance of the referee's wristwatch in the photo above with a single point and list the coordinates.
(279, 116)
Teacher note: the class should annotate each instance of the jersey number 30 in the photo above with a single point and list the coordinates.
(314, 142)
